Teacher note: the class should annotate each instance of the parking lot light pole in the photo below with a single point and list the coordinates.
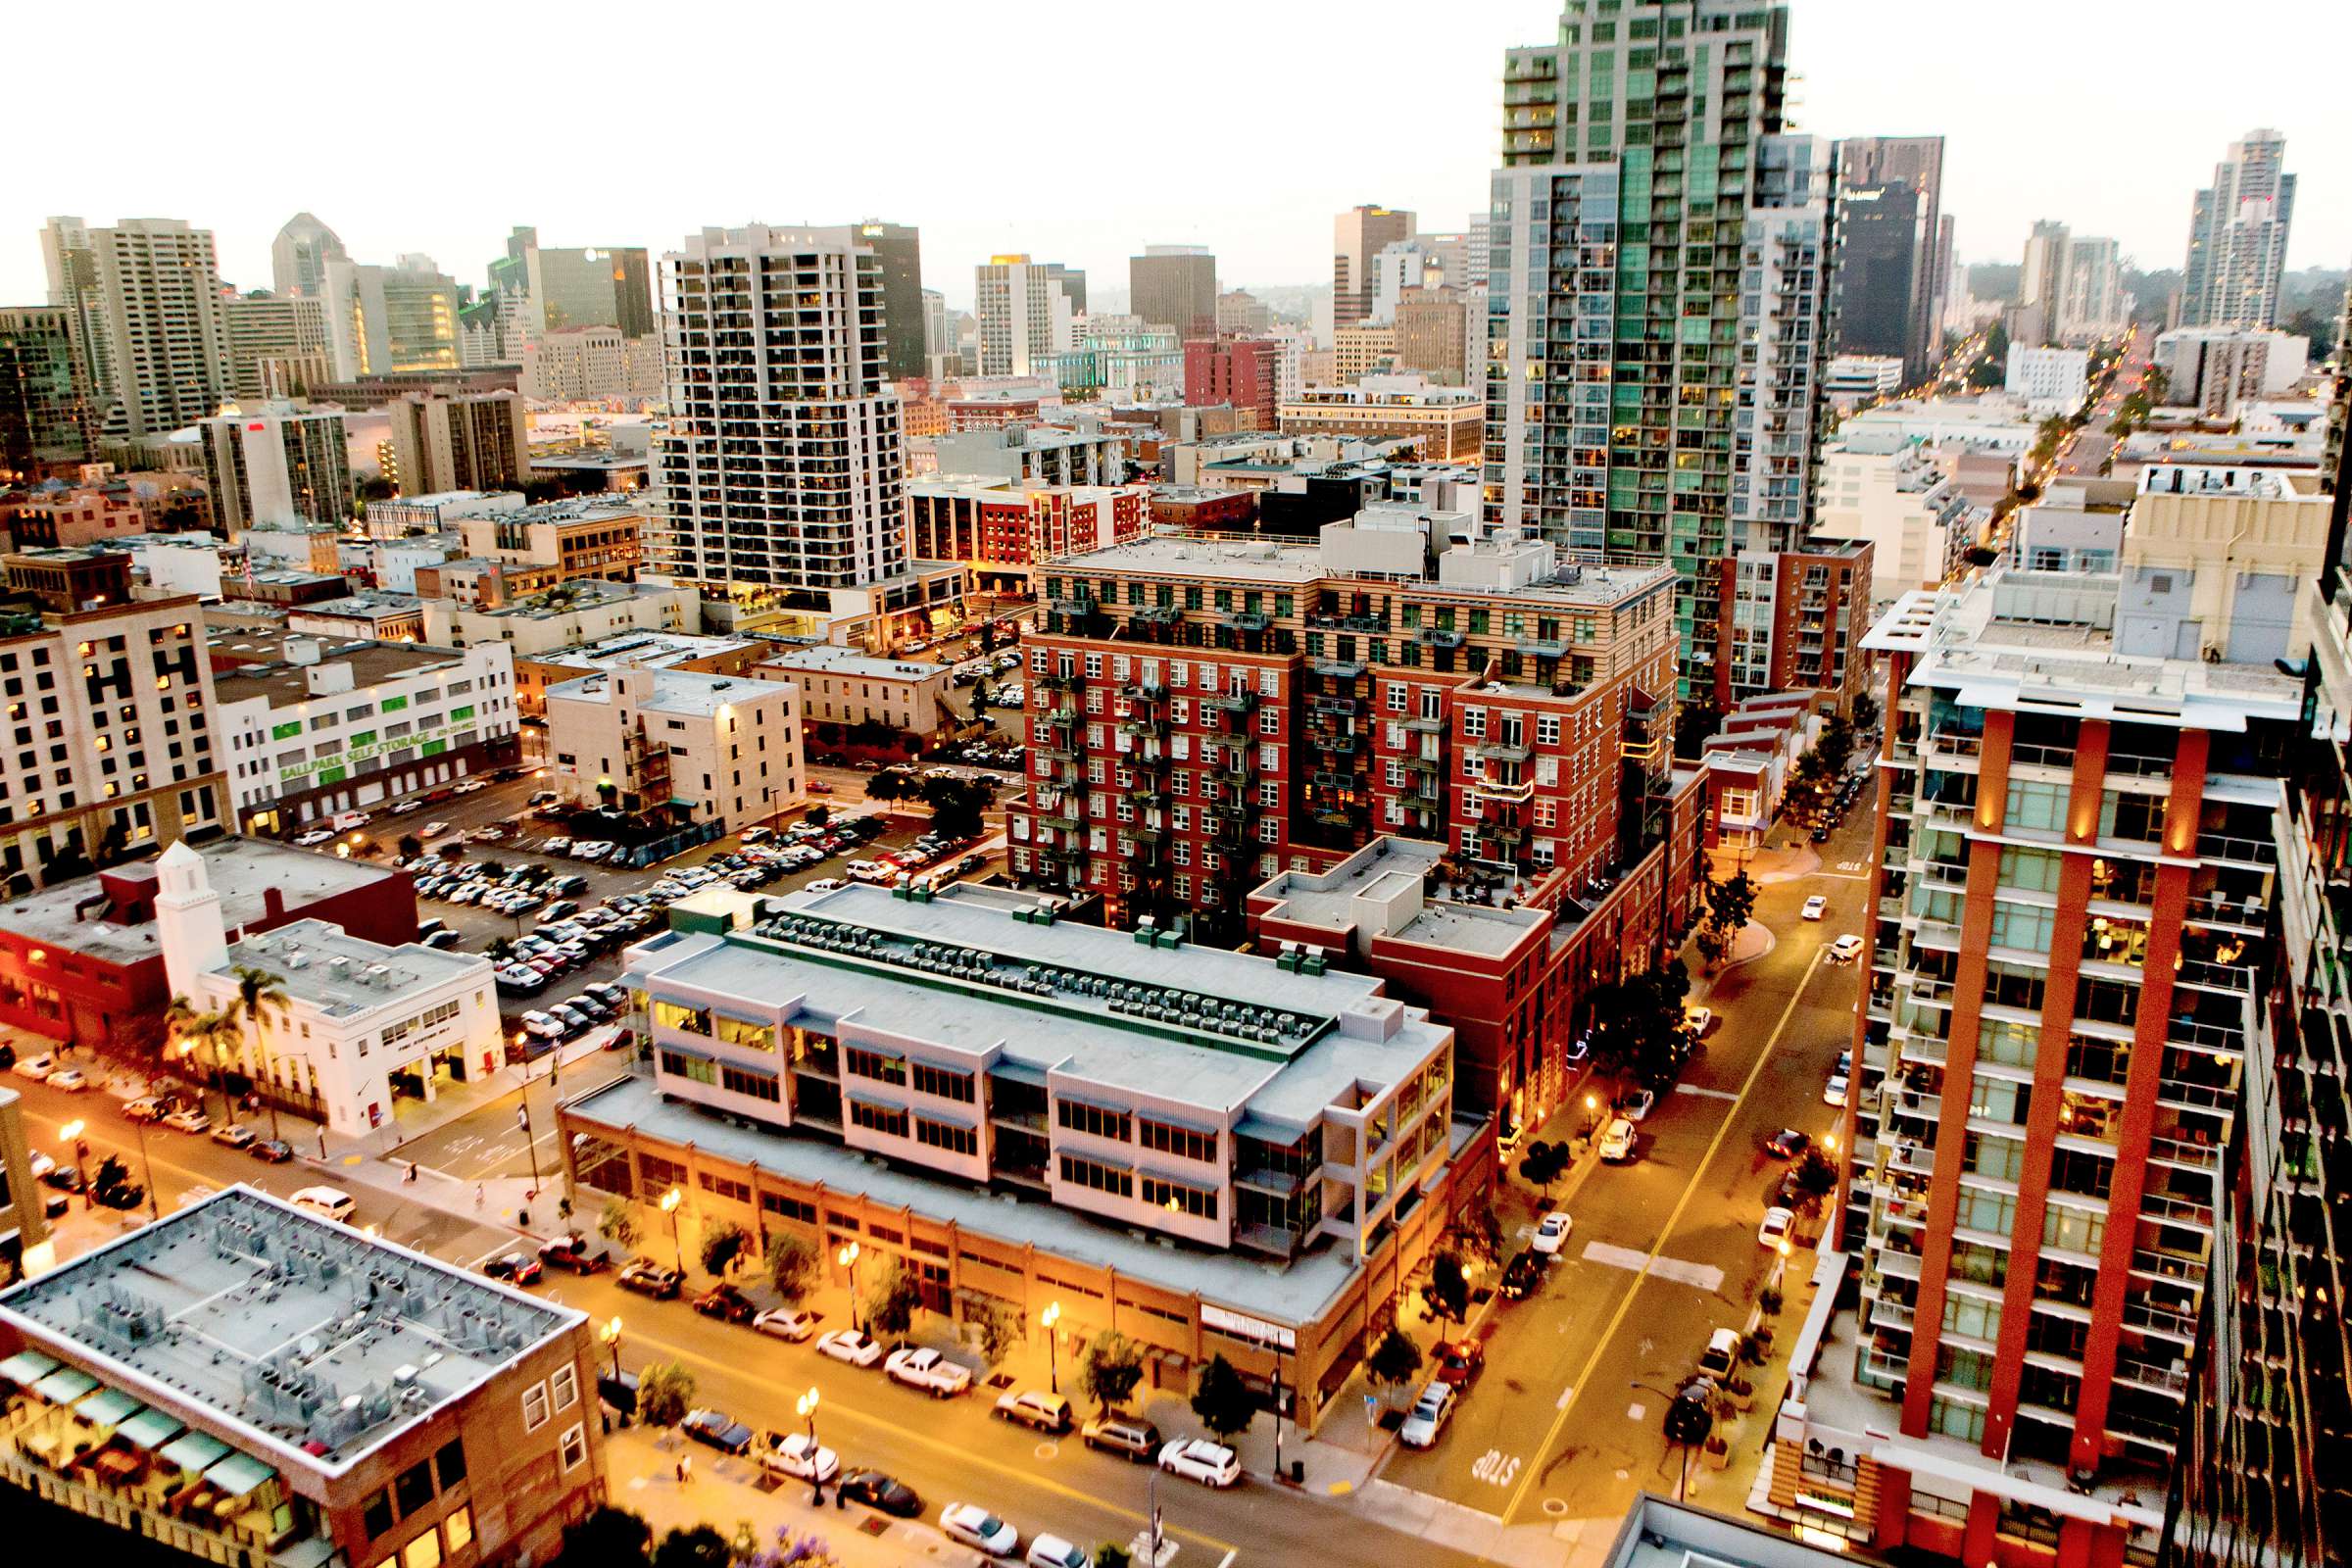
(1051, 1319)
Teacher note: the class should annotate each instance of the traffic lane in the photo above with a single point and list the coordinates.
(488, 1141)
(956, 1450)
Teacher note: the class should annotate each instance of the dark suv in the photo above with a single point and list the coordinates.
(1522, 1274)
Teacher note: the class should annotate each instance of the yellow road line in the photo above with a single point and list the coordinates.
(959, 1452)
(1583, 1381)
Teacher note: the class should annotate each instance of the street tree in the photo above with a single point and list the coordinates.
(723, 1243)
(1447, 1293)
(410, 846)
(693, 1547)
(892, 784)
(998, 1328)
(1540, 1166)
(618, 1224)
(792, 1268)
(1865, 711)
(892, 1300)
(1732, 904)
(607, 1538)
(1394, 1361)
(664, 1394)
(1836, 748)
(1110, 1369)
(957, 803)
(1222, 1401)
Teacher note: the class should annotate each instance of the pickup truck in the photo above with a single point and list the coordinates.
(928, 1370)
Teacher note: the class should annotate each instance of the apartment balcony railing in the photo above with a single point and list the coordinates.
(2228, 846)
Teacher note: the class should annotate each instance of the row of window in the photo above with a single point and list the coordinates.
(1096, 1176)
(1095, 1121)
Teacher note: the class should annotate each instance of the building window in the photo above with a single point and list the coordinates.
(423, 1552)
(576, 1447)
(1180, 1200)
(946, 1135)
(890, 1120)
(450, 1464)
(1096, 1176)
(458, 1527)
(873, 1064)
(534, 1407)
(942, 1083)
(564, 1386)
(1186, 1143)
(1094, 1120)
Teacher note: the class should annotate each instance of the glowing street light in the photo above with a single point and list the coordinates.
(847, 1257)
(611, 1335)
(669, 1206)
(1051, 1318)
(71, 1133)
(806, 1407)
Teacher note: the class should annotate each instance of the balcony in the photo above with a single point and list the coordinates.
(1499, 790)
(1337, 669)
(2162, 1378)
(1249, 620)
(1441, 637)
(1500, 752)
(1335, 706)
(2185, 1151)
(1241, 701)
(2241, 851)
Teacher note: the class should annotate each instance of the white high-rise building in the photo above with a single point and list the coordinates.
(2238, 232)
(384, 321)
(298, 256)
(278, 345)
(1787, 315)
(783, 463)
(1025, 313)
(2051, 380)
(2091, 304)
(144, 298)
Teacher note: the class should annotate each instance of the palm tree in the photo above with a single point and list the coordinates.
(184, 1028)
(262, 997)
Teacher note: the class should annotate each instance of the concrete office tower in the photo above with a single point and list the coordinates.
(1613, 387)
(278, 345)
(900, 249)
(940, 356)
(1885, 243)
(2090, 784)
(44, 396)
(784, 462)
(274, 466)
(1875, 162)
(1358, 236)
(2040, 285)
(2238, 232)
(143, 299)
(390, 320)
(472, 441)
(298, 256)
(582, 285)
(1026, 310)
(1174, 286)
(1481, 228)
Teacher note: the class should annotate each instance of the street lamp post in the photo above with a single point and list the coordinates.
(805, 1404)
(1682, 1484)
(847, 1257)
(669, 1206)
(147, 1169)
(1051, 1318)
(530, 1144)
(611, 1335)
(71, 1133)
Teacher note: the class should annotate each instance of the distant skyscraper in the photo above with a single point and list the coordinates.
(298, 256)
(1787, 321)
(278, 345)
(1885, 241)
(783, 463)
(900, 249)
(2040, 284)
(44, 396)
(388, 320)
(1614, 425)
(2092, 304)
(469, 441)
(144, 301)
(1866, 163)
(580, 285)
(1174, 286)
(1025, 310)
(1358, 236)
(2237, 232)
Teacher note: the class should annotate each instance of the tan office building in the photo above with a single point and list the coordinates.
(711, 748)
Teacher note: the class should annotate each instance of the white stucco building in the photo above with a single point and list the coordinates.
(711, 748)
(360, 1016)
(1881, 486)
(2050, 380)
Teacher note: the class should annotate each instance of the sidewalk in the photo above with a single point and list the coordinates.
(733, 1496)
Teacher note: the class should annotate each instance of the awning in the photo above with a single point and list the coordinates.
(150, 1429)
(238, 1474)
(108, 1408)
(195, 1451)
(65, 1384)
(27, 1367)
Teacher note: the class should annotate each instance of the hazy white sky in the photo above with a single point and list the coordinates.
(1077, 132)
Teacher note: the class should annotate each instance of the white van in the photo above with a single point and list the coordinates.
(345, 821)
(328, 1203)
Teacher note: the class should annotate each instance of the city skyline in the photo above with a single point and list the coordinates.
(1264, 232)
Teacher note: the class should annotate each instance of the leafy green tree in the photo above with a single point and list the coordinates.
(1540, 1166)
(998, 1327)
(607, 1538)
(892, 1300)
(1110, 1369)
(1812, 1178)
(693, 1546)
(792, 1267)
(1222, 1401)
(1395, 1361)
(618, 1224)
(1447, 1293)
(1865, 711)
(957, 803)
(410, 846)
(818, 815)
(1731, 902)
(892, 784)
(724, 1243)
(1836, 742)
(664, 1394)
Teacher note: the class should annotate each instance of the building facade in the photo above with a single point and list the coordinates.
(1916, 165)
(1795, 622)
(464, 441)
(705, 748)
(1025, 310)
(1175, 287)
(1879, 486)
(577, 539)
(2237, 231)
(1445, 423)
(299, 254)
(391, 321)
(842, 688)
(825, 507)
(44, 393)
(1358, 237)
(1234, 370)
(278, 345)
(143, 303)
(277, 467)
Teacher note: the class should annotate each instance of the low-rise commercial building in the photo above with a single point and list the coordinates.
(1447, 424)
(2075, 525)
(1024, 453)
(430, 514)
(701, 747)
(579, 538)
(570, 614)
(1133, 1127)
(82, 962)
(1882, 487)
(632, 650)
(2048, 381)
(314, 728)
(842, 689)
(248, 1384)
(1001, 531)
(1853, 379)
(372, 617)
(1749, 760)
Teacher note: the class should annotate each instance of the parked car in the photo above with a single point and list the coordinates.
(1698, 1020)
(1832, 1093)
(1521, 1275)
(975, 1526)
(516, 1268)
(574, 1253)
(1637, 1106)
(35, 1068)
(1816, 908)
(618, 1391)
(233, 1136)
(1617, 1143)
(70, 1080)
(188, 1120)
(1778, 1223)
(928, 1370)
(1212, 1465)
(786, 1323)
(1132, 1435)
(1846, 948)
(718, 1430)
(147, 1108)
(1046, 1412)
(1429, 1415)
(1052, 1551)
(793, 1454)
(1459, 1362)
(885, 1494)
(271, 1151)
(852, 1345)
(727, 1304)
(1787, 1144)
(1552, 1231)
(648, 1278)
(1721, 1353)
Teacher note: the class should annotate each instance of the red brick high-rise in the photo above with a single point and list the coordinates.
(1238, 371)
